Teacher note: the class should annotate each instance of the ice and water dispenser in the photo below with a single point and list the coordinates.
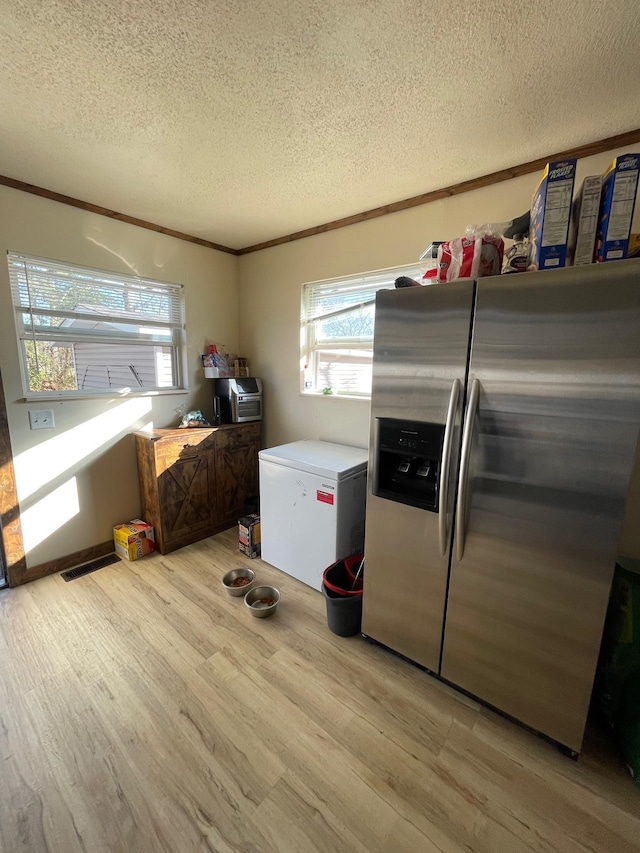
(408, 462)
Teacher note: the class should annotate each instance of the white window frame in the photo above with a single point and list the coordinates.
(333, 297)
(155, 316)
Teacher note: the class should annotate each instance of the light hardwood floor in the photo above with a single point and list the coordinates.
(142, 709)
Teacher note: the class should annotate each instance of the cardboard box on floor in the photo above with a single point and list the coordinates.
(249, 535)
(134, 539)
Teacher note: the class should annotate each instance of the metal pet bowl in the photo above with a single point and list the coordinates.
(262, 600)
(239, 581)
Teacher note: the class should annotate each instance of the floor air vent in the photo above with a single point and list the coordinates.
(72, 574)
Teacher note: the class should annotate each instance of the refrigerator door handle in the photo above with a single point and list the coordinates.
(467, 437)
(445, 464)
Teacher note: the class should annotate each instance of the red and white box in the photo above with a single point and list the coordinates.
(134, 539)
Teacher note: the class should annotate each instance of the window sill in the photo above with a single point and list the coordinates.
(315, 395)
(113, 394)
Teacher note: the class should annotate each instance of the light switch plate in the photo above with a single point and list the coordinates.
(41, 419)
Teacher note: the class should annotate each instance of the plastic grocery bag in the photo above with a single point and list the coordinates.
(193, 419)
(477, 254)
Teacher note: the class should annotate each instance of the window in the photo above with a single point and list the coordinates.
(336, 331)
(87, 332)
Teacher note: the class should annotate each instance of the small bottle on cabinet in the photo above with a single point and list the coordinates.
(516, 257)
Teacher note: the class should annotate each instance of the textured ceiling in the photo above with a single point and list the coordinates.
(239, 121)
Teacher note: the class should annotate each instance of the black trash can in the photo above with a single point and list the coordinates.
(343, 597)
(344, 612)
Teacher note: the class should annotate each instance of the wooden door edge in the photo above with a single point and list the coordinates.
(11, 530)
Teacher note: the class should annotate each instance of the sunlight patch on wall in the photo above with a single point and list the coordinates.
(49, 514)
(42, 464)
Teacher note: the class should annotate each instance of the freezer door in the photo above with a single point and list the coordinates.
(549, 439)
(420, 359)
(309, 521)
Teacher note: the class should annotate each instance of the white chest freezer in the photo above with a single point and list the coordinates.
(312, 506)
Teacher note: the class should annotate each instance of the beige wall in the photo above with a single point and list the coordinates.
(76, 481)
(270, 288)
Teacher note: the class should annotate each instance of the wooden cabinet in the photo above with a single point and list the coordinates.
(194, 482)
(236, 471)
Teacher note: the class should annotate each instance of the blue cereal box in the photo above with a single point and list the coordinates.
(619, 189)
(550, 214)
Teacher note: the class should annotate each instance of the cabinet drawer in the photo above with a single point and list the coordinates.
(233, 437)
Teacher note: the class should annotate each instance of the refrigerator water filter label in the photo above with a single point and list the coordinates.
(324, 497)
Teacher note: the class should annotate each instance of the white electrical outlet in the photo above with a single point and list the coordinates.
(41, 419)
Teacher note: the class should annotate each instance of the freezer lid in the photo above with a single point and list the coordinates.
(334, 461)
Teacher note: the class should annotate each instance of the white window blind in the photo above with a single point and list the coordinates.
(336, 331)
(90, 331)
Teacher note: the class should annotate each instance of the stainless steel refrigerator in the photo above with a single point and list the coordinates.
(504, 421)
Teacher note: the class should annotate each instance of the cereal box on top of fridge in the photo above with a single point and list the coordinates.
(619, 188)
(584, 221)
(550, 213)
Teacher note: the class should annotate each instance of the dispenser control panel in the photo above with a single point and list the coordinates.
(408, 462)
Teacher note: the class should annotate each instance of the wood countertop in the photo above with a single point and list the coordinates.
(155, 434)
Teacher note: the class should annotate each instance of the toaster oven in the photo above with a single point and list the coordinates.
(237, 400)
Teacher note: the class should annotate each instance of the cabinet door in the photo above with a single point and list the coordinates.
(185, 494)
(236, 472)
